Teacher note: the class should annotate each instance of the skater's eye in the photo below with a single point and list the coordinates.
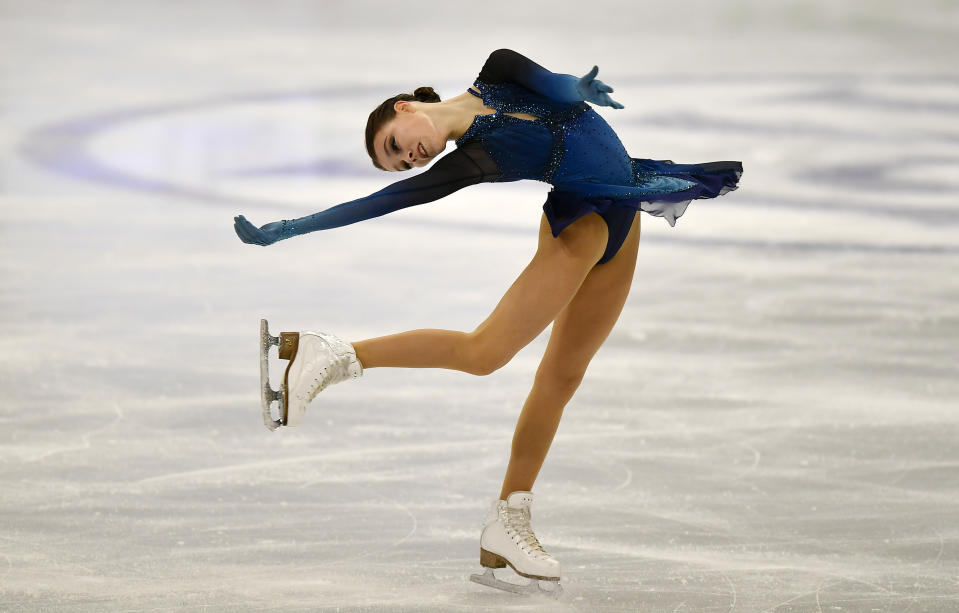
(396, 149)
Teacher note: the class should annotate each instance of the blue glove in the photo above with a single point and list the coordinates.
(264, 235)
(593, 90)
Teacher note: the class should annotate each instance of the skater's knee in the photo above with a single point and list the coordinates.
(487, 363)
(559, 378)
(484, 355)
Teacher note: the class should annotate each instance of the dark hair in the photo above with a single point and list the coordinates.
(385, 113)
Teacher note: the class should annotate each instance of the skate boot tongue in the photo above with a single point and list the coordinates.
(520, 500)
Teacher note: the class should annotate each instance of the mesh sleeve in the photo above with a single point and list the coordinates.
(466, 166)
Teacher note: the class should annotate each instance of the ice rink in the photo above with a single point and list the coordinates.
(773, 425)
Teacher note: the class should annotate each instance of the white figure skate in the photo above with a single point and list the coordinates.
(508, 540)
(316, 361)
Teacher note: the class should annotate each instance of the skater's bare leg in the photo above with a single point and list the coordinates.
(540, 292)
(577, 334)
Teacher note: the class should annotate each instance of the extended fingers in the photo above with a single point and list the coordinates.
(602, 87)
(602, 93)
(247, 232)
(596, 91)
(240, 228)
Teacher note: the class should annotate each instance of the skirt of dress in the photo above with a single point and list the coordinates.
(662, 188)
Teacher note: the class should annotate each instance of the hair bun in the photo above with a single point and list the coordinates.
(426, 94)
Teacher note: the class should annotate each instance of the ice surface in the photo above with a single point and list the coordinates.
(772, 425)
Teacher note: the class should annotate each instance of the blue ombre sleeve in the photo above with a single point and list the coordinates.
(508, 66)
(461, 168)
(450, 173)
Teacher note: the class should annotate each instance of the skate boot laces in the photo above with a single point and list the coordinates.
(333, 372)
(518, 520)
(333, 366)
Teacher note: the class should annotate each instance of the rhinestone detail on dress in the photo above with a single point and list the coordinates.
(505, 99)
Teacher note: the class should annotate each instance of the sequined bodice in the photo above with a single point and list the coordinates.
(567, 142)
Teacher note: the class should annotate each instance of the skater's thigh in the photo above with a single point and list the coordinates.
(544, 287)
(583, 239)
(582, 327)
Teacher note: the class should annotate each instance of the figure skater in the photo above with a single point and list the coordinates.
(517, 121)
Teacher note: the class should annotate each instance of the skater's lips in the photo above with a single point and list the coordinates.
(422, 151)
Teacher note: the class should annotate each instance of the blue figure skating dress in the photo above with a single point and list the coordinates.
(568, 146)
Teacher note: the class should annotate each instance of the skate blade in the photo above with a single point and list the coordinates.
(267, 394)
(535, 587)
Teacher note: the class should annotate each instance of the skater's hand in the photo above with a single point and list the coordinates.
(264, 235)
(593, 90)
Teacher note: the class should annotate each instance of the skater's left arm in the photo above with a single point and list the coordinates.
(461, 168)
(508, 66)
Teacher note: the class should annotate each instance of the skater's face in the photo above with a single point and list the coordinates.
(410, 140)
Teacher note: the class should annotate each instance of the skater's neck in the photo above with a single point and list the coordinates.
(454, 116)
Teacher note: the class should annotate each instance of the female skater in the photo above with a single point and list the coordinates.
(518, 121)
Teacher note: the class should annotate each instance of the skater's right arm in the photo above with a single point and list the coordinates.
(461, 168)
(508, 66)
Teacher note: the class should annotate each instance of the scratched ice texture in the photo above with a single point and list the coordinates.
(772, 426)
